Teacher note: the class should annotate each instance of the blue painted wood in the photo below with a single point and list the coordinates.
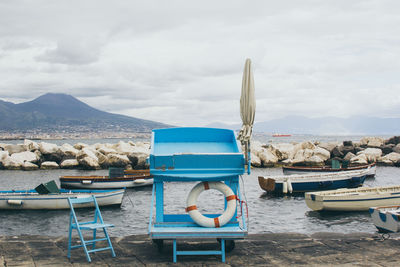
(194, 154)
(177, 252)
(96, 223)
(159, 201)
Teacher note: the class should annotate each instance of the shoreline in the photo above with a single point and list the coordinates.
(31, 155)
(272, 249)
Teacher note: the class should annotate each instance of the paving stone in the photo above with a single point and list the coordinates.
(283, 249)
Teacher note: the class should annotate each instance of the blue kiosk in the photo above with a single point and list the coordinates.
(214, 159)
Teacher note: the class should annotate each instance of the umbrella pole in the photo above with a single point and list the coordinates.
(247, 155)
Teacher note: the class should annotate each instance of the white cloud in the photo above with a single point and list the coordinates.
(181, 62)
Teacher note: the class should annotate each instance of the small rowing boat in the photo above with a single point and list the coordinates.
(130, 178)
(300, 183)
(324, 169)
(386, 219)
(357, 199)
(32, 200)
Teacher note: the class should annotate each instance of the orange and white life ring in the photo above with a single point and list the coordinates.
(202, 220)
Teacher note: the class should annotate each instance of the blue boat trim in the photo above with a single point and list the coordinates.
(382, 216)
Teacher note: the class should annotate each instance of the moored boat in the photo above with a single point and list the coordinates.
(301, 183)
(31, 199)
(386, 218)
(325, 169)
(131, 178)
(356, 199)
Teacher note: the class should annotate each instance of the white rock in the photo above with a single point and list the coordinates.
(49, 165)
(267, 157)
(143, 147)
(11, 148)
(307, 145)
(116, 160)
(138, 160)
(68, 151)
(29, 166)
(26, 156)
(88, 159)
(283, 150)
(328, 146)
(314, 160)
(102, 159)
(372, 154)
(322, 153)
(359, 159)
(11, 164)
(124, 148)
(47, 148)
(301, 156)
(372, 141)
(397, 148)
(86, 152)
(105, 150)
(89, 163)
(69, 164)
(349, 156)
(80, 146)
(390, 158)
(31, 145)
(3, 154)
(255, 160)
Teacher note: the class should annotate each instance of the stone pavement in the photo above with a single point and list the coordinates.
(284, 249)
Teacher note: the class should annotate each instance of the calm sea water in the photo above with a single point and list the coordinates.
(266, 213)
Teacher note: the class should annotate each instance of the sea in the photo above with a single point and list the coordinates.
(264, 213)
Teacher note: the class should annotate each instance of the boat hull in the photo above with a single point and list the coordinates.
(26, 200)
(386, 218)
(289, 170)
(359, 199)
(313, 182)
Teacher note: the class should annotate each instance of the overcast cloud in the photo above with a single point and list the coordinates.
(181, 62)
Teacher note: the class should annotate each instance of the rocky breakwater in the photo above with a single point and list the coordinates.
(32, 155)
(367, 150)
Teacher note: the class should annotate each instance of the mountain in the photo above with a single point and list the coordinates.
(356, 125)
(61, 112)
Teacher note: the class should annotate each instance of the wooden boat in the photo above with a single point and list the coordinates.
(31, 199)
(131, 178)
(311, 182)
(303, 169)
(386, 219)
(357, 199)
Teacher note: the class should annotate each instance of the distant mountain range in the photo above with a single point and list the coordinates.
(61, 112)
(357, 125)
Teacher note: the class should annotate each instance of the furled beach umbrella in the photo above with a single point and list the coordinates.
(247, 110)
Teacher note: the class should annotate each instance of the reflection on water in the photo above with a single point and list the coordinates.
(266, 213)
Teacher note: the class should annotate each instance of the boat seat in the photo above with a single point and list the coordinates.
(97, 223)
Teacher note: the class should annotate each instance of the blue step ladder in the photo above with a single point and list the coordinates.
(94, 225)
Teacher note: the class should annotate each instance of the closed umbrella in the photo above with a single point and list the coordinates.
(247, 110)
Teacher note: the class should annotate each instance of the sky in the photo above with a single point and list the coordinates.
(181, 62)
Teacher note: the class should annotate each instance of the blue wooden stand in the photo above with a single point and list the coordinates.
(187, 155)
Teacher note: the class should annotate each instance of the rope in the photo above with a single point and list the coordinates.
(241, 202)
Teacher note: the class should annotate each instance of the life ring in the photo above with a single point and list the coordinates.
(202, 220)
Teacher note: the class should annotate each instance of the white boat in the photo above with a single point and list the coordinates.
(312, 182)
(386, 218)
(31, 199)
(138, 179)
(357, 199)
(325, 169)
